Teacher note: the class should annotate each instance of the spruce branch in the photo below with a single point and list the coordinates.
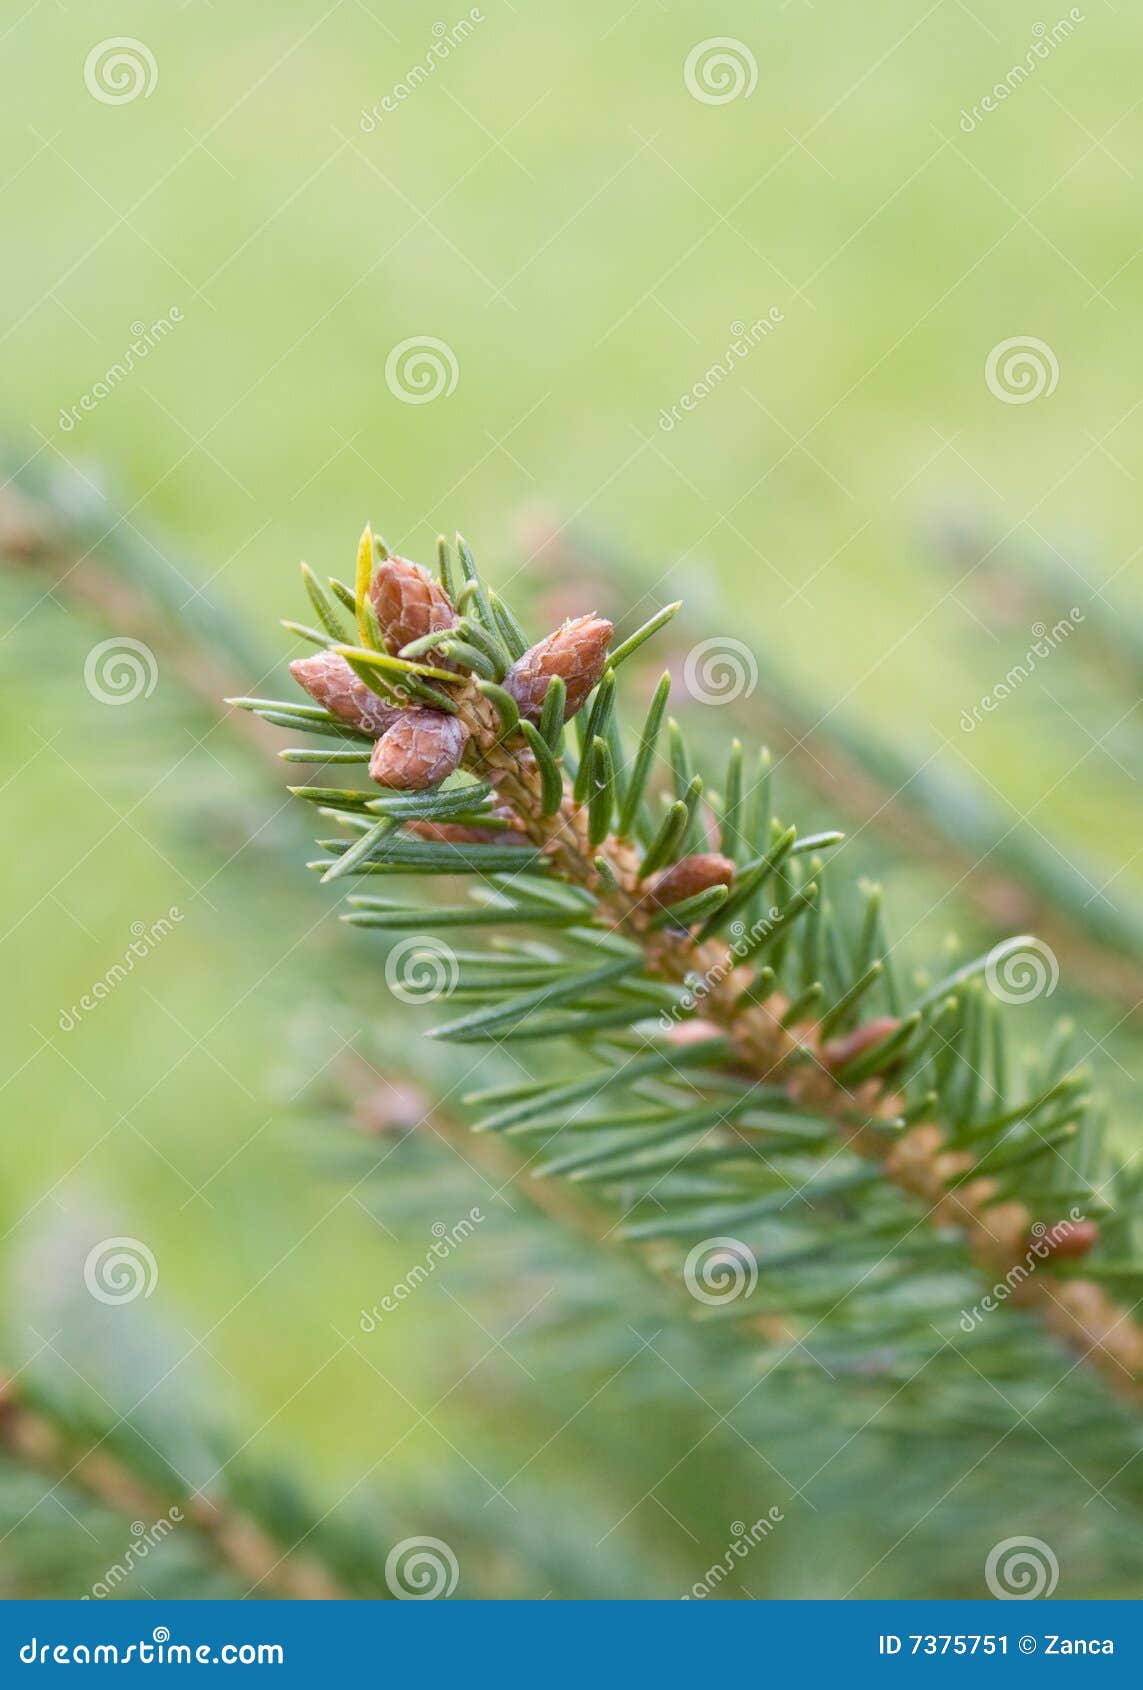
(721, 992)
(33, 1436)
(87, 556)
(254, 1533)
(935, 813)
(71, 535)
(1029, 583)
(235, 1544)
(60, 529)
(874, 1346)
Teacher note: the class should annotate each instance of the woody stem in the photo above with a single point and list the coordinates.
(919, 1161)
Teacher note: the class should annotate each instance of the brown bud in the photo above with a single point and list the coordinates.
(577, 653)
(1067, 1239)
(422, 748)
(910, 1161)
(840, 1051)
(690, 876)
(408, 602)
(331, 683)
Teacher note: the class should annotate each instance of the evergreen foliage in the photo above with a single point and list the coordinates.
(853, 1339)
(753, 1061)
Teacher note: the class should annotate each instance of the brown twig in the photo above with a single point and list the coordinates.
(242, 1547)
(920, 1162)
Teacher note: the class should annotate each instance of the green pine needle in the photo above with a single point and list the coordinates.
(660, 619)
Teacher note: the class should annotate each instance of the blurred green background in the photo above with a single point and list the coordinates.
(556, 206)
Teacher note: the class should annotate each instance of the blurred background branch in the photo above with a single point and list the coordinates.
(420, 1146)
(213, 290)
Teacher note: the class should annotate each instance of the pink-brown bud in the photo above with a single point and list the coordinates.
(1067, 1239)
(865, 1038)
(577, 653)
(331, 683)
(409, 603)
(391, 1107)
(692, 875)
(422, 748)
